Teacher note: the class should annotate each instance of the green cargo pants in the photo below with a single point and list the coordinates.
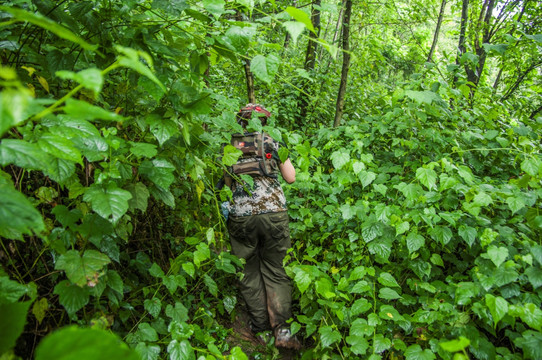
(262, 240)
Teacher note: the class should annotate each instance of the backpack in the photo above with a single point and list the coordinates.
(259, 155)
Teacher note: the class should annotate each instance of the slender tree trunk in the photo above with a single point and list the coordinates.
(437, 30)
(287, 37)
(250, 82)
(310, 58)
(461, 48)
(346, 64)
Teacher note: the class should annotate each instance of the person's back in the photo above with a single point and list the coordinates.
(259, 233)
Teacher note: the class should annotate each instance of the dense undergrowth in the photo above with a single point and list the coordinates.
(416, 225)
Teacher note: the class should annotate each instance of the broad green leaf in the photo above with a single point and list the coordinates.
(11, 291)
(534, 273)
(172, 7)
(466, 174)
(531, 343)
(328, 336)
(130, 58)
(427, 177)
(143, 149)
(240, 37)
(230, 302)
(147, 352)
(39, 310)
(12, 108)
(294, 28)
(265, 67)
(159, 171)
(162, 129)
(423, 97)
(455, 345)
(402, 227)
(360, 306)
(468, 234)
(495, 48)
(94, 148)
(82, 269)
(211, 285)
(536, 37)
(49, 25)
(140, 196)
(358, 344)
(153, 306)
(302, 279)
(231, 155)
(387, 279)
(531, 166)
(414, 242)
(13, 318)
(325, 288)
(497, 254)
(532, 316)
(201, 254)
(436, 259)
(381, 343)
(301, 16)
(339, 159)
(515, 203)
(415, 352)
(23, 154)
(163, 195)
(388, 294)
(110, 202)
(78, 109)
(442, 234)
(83, 344)
(366, 177)
(60, 170)
(147, 333)
(91, 79)
(237, 353)
(482, 199)
(380, 247)
(215, 7)
(71, 296)
(497, 306)
(178, 313)
(17, 214)
(59, 147)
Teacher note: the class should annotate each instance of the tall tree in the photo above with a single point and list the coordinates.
(346, 63)
(437, 31)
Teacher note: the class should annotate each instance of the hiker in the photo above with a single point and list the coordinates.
(258, 228)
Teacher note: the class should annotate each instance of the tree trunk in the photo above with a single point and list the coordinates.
(346, 64)
(461, 48)
(250, 83)
(437, 30)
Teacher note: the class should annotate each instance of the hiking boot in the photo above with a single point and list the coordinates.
(285, 339)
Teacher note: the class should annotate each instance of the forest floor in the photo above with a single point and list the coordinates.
(255, 349)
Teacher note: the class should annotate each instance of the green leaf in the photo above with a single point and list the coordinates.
(498, 308)
(39, 310)
(12, 108)
(328, 336)
(468, 234)
(17, 214)
(91, 79)
(466, 174)
(380, 247)
(239, 37)
(47, 24)
(302, 279)
(360, 306)
(455, 345)
(442, 234)
(59, 147)
(482, 199)
(532, 316)
(414, 242)
(215, 7)
(497, 254)
(427, 177)
(380, 343)
(110, 202)
(130, 58)
(211, 285)
(159, 171)
(415, 352)
(294, 28)
(531, 166)
(23, 154)
(265, 67)
(536, 37)
(140, 196)
(366, 177)
(231, 155)
(153, 306)
(173, 7)
(13, 318)
(71, 296)
(436, 259)
(83, 344)
(358, 344)
(181, 350)
(147, 333)
(387, 279)
(339, 159)
(162, 129)
(534, 273)
(301, 16)
(81, 270)
(143, 149)
(515, 203)
(78, 109)
(423, 97)
(147, 352)
(531, 343)
(201, 254)
(402, 227)
(179, 313)
(388, 294)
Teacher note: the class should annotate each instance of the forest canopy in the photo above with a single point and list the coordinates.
(416, 217)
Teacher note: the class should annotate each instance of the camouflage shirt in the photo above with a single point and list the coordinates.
(266, 196)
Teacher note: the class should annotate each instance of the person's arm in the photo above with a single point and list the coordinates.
(288, 171)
